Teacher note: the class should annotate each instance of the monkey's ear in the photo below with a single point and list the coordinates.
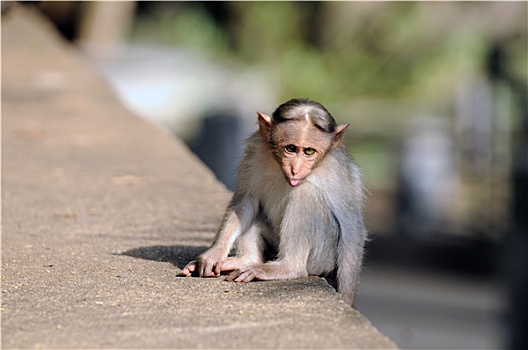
(338, 136)
(265, 122)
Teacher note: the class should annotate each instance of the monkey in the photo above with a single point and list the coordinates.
(297, 209)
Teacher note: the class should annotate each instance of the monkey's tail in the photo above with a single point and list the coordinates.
(350, 259)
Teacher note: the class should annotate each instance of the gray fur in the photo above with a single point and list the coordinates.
(319, 225)
(312, 228)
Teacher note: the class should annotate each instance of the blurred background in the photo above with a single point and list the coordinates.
(436, 95)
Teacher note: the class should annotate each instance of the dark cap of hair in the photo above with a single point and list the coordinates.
(297, 108)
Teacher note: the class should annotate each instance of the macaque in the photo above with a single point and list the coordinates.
(297, 208)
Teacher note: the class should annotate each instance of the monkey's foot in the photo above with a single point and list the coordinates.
(245, 275)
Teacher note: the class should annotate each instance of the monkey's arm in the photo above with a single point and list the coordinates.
(237, 219)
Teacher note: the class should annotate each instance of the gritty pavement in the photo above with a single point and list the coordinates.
(101, 210)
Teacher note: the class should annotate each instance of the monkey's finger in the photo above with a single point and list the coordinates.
(201, 268)
(217, 269)
(189, 269)
(208, 269)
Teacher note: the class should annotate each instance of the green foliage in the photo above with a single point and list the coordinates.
(376, 162)
(181, 25)
(387, 50)
(265, 30)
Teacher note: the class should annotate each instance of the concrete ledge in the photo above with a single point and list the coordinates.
(101, 211)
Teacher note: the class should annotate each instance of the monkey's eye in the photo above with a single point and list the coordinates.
(309, 151)
(291, 149)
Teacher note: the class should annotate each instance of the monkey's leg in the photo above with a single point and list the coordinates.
(303, 233)
(290, 265)
(274, 270)
(250, 251)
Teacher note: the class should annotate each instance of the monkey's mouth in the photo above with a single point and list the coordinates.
(294, 182)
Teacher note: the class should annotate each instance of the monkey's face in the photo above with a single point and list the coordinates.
(297, 162)
(298, 147)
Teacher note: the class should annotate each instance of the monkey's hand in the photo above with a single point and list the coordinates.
(209, 264)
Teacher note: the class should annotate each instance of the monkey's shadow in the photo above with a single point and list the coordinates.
(178, 255)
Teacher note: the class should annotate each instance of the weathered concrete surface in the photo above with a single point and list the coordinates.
(101, 210)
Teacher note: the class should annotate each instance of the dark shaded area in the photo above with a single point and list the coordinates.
(219, 145)
(66, 15)
(178, 255)
(516, 241)
(445, 254)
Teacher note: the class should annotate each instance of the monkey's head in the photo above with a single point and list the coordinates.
(300, 132)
